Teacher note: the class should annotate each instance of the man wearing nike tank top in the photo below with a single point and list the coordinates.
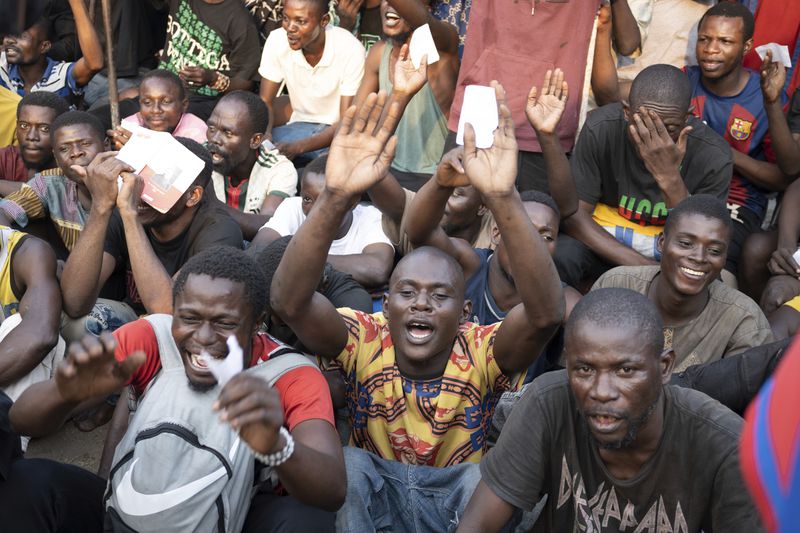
(218, 294)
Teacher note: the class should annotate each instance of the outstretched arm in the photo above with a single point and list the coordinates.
(388, 195)
(787, 148)
(357, 160)
(427, 209)
(544, 113)
(88, 372)
(33, 268)
(92, 61)
(528, 326)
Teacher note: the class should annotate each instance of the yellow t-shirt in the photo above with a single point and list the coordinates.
(437, 422)
(8, 117)
(9, 300)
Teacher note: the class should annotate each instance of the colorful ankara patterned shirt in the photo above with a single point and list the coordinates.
(49, 194)
(436, 422)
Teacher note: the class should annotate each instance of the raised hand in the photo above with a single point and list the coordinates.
(660, 154)
(407, 79)
(450, 171)
(493, 171)
(100, 177)
(348, 13)
(544, 110)
(361, 152)
(254, 409)
(773, 77)
(90, 370)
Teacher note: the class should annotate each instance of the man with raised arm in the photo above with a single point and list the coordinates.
(422, 131)
(422, 380)
(25, 67)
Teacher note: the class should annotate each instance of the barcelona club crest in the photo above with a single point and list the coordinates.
(740, 129)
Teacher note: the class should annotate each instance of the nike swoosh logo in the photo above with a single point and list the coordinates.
(134, 503)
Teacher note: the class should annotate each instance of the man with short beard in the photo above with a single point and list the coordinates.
(35, 115)
(134, 239)
(250, 178)
(610, 443)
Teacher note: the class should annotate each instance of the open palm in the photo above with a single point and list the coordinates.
(408, 79)
(544, 110)
(493, 170)
(361, 152)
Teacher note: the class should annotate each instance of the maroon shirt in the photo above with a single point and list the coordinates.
(12, 167)
(515, 42)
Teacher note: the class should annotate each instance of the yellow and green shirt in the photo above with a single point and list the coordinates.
(436, 422)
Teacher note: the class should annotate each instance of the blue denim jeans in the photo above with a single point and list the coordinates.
(296, 131)
(391, 496)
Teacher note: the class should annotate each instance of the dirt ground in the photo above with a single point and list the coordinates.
(71, 446)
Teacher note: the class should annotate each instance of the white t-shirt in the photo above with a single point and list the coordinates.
(365, 230)
(315, 92)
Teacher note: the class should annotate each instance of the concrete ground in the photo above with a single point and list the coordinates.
(71, 446)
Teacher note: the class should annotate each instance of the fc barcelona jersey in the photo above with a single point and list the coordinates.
(742, 121)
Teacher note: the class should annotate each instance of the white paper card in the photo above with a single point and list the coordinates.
(480, 110)
(421, 44)
(796, 256)
(225, 369)
(780, 53)
(167, 167)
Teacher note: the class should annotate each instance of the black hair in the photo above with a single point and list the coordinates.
(75, 118)
(540, 198)
(732, 10)
(317, 166)
(700, 204)
(227, 262)
(257, 110)
(321, 5)
(45, 25)
(199, 150)
(169, 77)
(661, 84)
(44, 99)
(268, 258)
(619, 309)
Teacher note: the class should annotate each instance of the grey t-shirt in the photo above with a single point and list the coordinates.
(730, 322)
(691, 483)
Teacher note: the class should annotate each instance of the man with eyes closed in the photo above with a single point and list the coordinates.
(422, 380)
(704, 319)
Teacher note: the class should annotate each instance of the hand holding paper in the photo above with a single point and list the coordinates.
(780, 53)
(422, 44)
(480, 110)
(224, 369)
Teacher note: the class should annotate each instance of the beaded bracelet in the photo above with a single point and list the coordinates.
(281, 456)
(221, 82)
